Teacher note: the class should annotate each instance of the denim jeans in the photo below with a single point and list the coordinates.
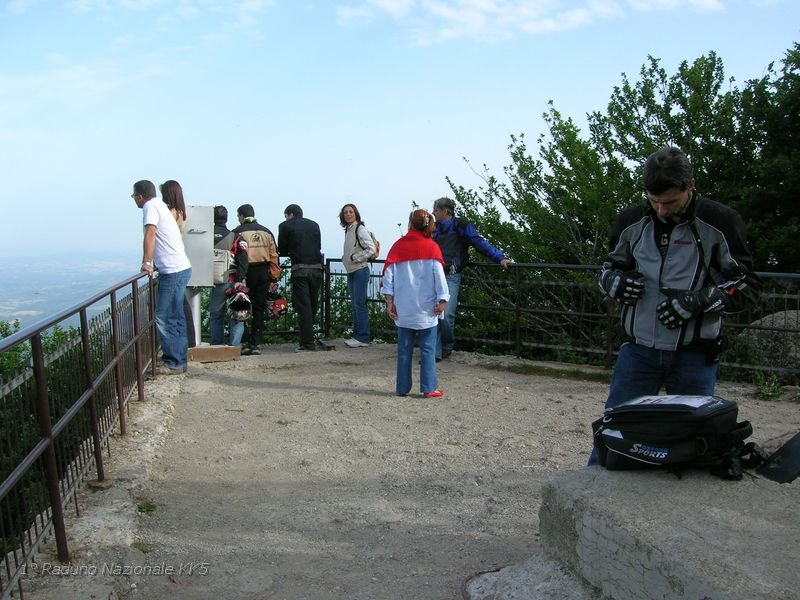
(235, 333)
(641, 371)
(427, 359)
(447, 326)
(217, 315)
(306, 285)
(170, 318)
(357, 282)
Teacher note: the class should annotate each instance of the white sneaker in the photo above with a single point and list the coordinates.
(354, 343)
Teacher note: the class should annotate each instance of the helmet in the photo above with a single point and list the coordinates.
(239, 304)
(278, 307)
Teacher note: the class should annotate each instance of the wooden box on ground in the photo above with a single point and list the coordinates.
(205, 353)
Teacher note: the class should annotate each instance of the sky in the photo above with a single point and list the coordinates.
(316, 103)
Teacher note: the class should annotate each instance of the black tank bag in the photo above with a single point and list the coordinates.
(676, 433)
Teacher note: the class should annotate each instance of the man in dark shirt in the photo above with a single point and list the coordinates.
(299, 239)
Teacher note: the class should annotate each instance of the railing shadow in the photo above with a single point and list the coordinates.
(68, 389)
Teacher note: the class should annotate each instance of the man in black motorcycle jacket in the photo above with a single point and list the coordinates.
(676, 263)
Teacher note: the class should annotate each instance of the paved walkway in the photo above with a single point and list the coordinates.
(303, 476)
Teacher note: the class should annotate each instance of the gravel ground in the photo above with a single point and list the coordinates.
(303, 476)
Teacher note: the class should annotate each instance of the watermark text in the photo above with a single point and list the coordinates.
(115, 569)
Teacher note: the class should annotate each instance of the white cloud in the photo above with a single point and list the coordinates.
(16, 7)
(346, 15)
(707, 5)
(661, 5)
(398, 9)
(243, 12)
(73, 84)
(436, 21)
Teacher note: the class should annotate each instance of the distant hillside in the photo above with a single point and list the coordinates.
(34, 288)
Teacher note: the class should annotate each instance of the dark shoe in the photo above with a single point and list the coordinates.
(246, 351)
(304, 349)
(165, 370)
(434, 394)
(255, 350)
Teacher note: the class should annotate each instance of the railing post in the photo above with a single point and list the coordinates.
(87, 366)
(46, 431)
(153, 329)
(123, 418)
(517, 314)
(326, 304)
(137, 336)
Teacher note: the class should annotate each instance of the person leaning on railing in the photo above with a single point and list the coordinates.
(677, 262)
(455, 236)
(163, 250)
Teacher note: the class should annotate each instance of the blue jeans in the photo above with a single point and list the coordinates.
(235, 333)
(217, 313)
(427, 359)
(357, 282)
(641, 371)
(170, 318)
(447, 326)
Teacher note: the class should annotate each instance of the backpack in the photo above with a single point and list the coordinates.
(223, 259)
(676, 433)
(377, 252)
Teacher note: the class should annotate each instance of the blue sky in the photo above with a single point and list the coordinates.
(316, 103)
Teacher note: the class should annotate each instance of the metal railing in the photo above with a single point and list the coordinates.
(555, 312)
(62, 393)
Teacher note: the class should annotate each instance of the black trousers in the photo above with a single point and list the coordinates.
(306, 285)
(258, 281)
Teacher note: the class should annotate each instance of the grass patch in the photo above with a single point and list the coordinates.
(769, 387)
(142, 547)
(145, 507)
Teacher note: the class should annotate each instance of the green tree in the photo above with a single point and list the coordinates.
(13, 360)
(770, 117)
(559, 207)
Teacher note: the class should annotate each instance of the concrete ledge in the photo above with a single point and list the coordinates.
(637, 534)
(205, 353)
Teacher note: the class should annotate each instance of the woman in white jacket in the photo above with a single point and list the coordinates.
(356, 254)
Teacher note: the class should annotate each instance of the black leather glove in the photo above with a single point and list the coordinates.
(623, 287)
(684, 305)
